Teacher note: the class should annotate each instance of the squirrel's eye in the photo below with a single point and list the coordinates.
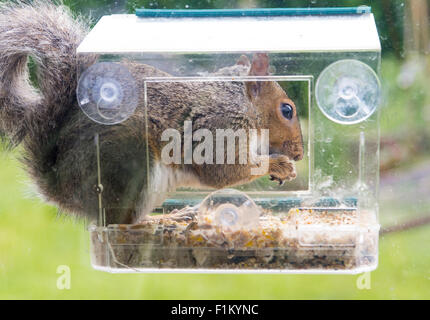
(287, 111)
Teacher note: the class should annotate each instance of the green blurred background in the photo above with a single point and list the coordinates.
(35, 239)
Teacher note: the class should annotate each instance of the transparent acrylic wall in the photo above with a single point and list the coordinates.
(325, 220)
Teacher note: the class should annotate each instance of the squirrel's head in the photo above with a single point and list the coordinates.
(278, 111)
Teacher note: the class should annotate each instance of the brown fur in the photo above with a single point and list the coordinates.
(58, 140)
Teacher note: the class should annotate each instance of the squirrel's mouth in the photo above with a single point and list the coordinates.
(296, 154)
(293, 150)
(298, 157)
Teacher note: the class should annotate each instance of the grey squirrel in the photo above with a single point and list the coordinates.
(58, 143)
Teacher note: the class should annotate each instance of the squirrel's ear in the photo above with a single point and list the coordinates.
(252, 89)
(243, 61)
(260, 65)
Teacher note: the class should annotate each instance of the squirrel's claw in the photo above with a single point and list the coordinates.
(279, 180)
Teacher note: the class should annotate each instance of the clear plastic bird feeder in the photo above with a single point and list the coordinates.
(323, 220)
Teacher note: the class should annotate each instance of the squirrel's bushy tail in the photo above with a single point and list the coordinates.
(48, 34)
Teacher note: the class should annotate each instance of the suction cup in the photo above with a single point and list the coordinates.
(229, 208)
(107, 93)
(348, 91)
(227, 215)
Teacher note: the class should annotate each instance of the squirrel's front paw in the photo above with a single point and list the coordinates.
(281, 169)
